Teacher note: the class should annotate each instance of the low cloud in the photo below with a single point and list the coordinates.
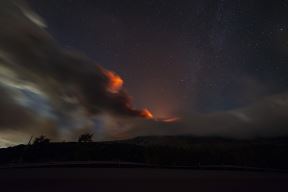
(265, 118)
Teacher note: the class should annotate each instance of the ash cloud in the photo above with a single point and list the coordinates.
(70, 81)
(34, 54)
(11, 114)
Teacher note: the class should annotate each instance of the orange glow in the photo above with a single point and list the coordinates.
(115, 81)
(170, 120)
(147, 114)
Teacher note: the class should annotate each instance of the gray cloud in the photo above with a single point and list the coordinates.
(73, 84)
(11, 114)
(34, 55)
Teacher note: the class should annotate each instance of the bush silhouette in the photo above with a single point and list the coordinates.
(85, 138)
(41, 140)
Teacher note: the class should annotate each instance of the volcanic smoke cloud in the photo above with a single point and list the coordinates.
(33, 64)
(31, 52)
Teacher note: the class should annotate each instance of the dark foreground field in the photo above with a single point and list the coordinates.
(139, 179)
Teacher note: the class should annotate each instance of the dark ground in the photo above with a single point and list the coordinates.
(138, 179)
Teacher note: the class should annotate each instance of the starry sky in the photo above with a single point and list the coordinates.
(199, 56)
(200, 60)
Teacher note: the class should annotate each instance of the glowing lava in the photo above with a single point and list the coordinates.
(147, 114)
(115, 81)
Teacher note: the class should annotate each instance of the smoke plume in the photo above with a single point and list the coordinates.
(34, 65)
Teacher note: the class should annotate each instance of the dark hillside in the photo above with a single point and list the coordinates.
(163, 151)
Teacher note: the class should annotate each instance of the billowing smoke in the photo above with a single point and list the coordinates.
(35, 56)
(35, 70)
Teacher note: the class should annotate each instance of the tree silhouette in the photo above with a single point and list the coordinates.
(41, 140)
(85, 138)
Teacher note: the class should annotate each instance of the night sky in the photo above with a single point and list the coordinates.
(200, 56)
(202, 67)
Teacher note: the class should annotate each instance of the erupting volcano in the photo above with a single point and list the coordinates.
(114, 86)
